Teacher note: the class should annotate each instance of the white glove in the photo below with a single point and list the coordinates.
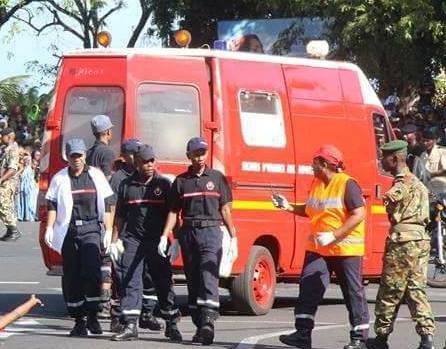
(116, 250)
(233, 249)
(174, 250)
(280, 201)
(325, 238)
(49, 234)
(162, 246)
(106, 241)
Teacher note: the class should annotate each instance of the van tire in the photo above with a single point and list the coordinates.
(253, 291)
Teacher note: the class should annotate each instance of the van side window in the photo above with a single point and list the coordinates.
(82, 104)
(261, 119)
(382, 134)
(167, 117)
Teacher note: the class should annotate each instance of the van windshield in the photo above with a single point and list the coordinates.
(167, 117)
(82, 104)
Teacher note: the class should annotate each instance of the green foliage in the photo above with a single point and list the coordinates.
(10, 90)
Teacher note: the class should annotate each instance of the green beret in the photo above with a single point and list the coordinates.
(394, 146)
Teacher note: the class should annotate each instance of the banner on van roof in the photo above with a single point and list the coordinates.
(286, 36)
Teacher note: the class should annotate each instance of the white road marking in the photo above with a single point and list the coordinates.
(250, 342)
(19, 282)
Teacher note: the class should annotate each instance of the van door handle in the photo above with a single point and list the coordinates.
(378, 191)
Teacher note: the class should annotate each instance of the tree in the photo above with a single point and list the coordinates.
(83, 19)
(10, 90)
(8, 9)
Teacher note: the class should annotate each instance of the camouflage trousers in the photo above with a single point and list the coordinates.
(404, 279)
(8, 214)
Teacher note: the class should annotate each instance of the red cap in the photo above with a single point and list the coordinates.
(329, 153)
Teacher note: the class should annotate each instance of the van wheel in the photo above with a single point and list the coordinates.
(253, 291)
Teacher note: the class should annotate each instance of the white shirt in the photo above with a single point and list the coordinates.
(435, 162)
(60, 192)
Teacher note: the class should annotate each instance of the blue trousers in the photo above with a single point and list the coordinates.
(314, 281)
(201, 251)
(130, 274)
(81, 280)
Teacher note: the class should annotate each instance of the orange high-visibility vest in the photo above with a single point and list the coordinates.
(326, 209)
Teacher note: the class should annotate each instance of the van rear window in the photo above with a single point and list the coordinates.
(82, 104)
(167, 117)
(261, 119)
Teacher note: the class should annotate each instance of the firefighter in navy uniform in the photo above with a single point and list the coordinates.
(150, 301)
(142, 207)
(101, 155)
(79, 200)
(204, 198)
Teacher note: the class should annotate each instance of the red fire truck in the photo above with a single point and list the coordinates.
(264, 116)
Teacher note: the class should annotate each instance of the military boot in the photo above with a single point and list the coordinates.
(427, 342)
(172, 332)
(355, 344)
(12, 234)
(149, 321)
(206, 332)
(300, 339)
(115, 325)
(128, 333)
(379, 342)
(79, 329)
(93, 324)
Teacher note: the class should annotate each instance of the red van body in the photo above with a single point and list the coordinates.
(264, 116)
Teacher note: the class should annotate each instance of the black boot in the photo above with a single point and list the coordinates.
(128, 333)
(197, 337)
(93, 324)
(355, 344)
(172, 332)
(206, 332)
(301, 338)
(147, 320)
(379, 342)
(79, 329)
(115, 325)
(427, 342)
(12, 234)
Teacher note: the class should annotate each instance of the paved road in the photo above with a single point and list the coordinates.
(23, 273)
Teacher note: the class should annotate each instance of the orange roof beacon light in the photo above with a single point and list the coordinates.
(183, 38)
(104, 38)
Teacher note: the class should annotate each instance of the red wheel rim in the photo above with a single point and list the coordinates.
(262, 282)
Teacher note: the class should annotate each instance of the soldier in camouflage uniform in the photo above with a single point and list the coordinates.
(406, 253)
(9, 164)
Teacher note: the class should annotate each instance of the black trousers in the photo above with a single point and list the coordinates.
(130, 273)
(201, 251)
(149, 294)
(314, 281)
(81, 281)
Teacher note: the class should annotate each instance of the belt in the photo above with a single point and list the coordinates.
(80, 223)
(201, 223)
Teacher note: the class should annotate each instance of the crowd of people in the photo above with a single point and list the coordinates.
(27, 137)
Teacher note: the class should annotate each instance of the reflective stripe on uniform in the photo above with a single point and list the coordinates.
(304, 316)
(208, 302)
(145, 201)
(106, 268)
(153, 298)
(147, 290)
(75, 304)
(201, 193)
(361, 327)
(169, 312)
(131, 312)
(83, 191)
(93, 299)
